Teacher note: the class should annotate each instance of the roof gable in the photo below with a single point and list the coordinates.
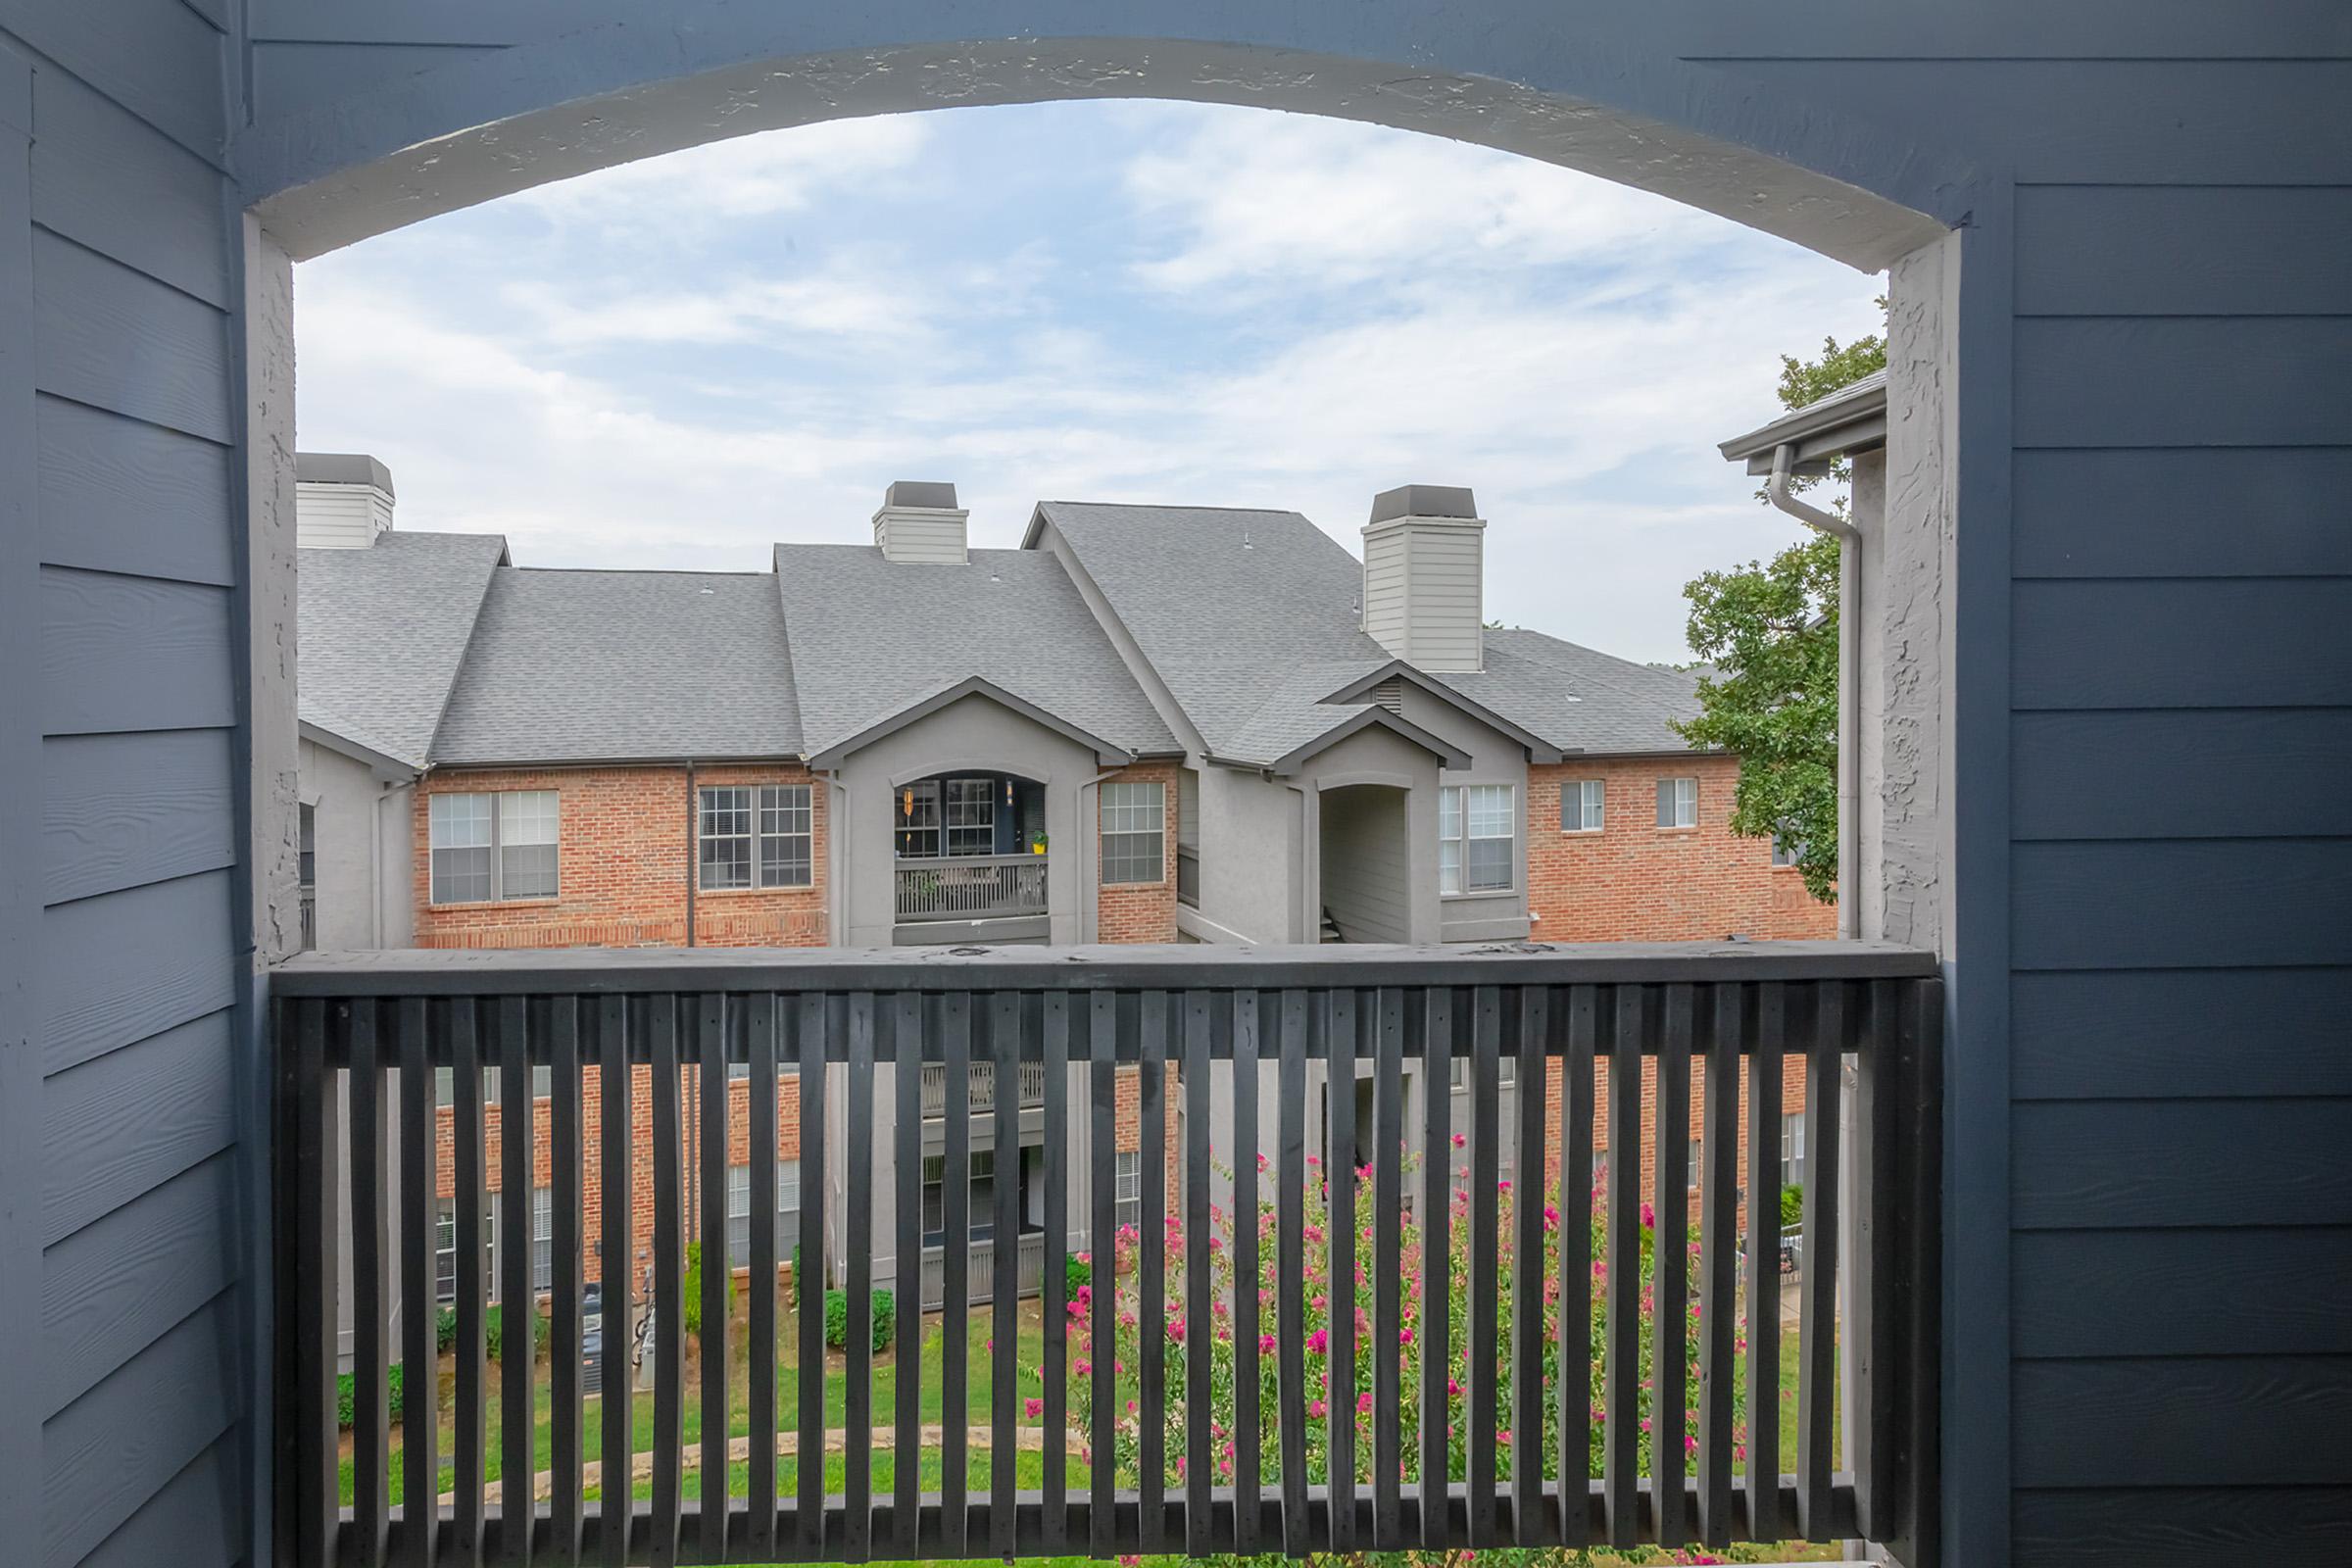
(381, 635)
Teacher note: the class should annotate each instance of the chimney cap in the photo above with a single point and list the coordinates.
(342, 467)
(928, 493)
(1424, 501)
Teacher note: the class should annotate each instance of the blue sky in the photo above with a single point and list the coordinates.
(678, 362)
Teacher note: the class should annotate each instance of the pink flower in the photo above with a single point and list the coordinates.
(1315, 1409)
(1460, 1142)
(1649, 1217)
(1265, 1345)
(1319, 1342)
(1033, 1408)
(1176, 1331)
(1363, 1402)
(1404, 1335)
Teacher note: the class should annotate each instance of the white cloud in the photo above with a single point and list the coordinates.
(1249, 196)
(746, 176)
(1569, 349)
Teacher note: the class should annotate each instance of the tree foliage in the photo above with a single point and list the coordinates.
(1766, 634)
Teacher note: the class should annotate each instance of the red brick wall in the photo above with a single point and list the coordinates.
(624, 849)
(641, 1143)
(1635, 881)
(1140, 912)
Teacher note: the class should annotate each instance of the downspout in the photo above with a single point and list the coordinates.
(691, 799)
(1849, 666)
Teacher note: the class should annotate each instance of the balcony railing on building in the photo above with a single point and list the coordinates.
(1188, 875)
(970, 886)
(1030, 1080)
(1551, 1427)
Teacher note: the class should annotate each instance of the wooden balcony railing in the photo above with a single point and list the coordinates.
(1557, 1438)
(970, 886)
(981, 1094)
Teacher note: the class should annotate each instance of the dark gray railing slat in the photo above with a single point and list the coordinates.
(371, 1289)
(1101, 1229)
(516, 1304)
(909, 1041)
(1436, 1201)
(1575, 1462)
(1762, 1480)
(809, 1441)
(1152, 1015)
(670, 1314)
(1717, 1264)
(1486, 1259)
(857, 1344)
(955, 1259)
(759, 1325)
(1005, 1265)
(1874, 1267)
(1534, 1003)
(711, 1055)
(1342, 1028)
(1055, 1019)
(1245, 1373)
(1817, 1277)
(470, 1188)
(311, 1136)
(1392, 1021)
(1670, 1254)
(421, 1467)
(1290, 1264)
(616, 1281)
(1198, 1336)
(1621, 1442)
(564, 1296)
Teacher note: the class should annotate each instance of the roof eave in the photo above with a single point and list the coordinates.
(1850, 420)
(1106, 752)
(1446, 753)
(1538, 749)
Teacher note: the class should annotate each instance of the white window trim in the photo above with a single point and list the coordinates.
(1580, 785)
(1511, 817)
(1103, 833)
(759, 864)
(1678, 826)
(496, 846)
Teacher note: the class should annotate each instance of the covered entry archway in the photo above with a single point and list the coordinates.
(1625, 106)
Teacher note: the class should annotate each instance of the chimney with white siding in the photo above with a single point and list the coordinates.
(920, 524)
(1424, 572)
(342, 499)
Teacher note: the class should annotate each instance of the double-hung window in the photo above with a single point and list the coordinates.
(1475, 831)
(1677, 803)
(1581, 803)
(1792, 1149)
(1127, 1188)
(1135, 821)
(494, 846)
(756, 836)
(980, 1212)
(971, 813)
(739, 1214)
(543, 1238)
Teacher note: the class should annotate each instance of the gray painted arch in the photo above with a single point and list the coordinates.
(524, 102)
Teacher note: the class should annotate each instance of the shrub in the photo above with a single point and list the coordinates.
(693, 1288)
(1076, 1271)
(882, 1319)
(1792, 1206)
(494, 1331)
(445, 1329)
(347, 1396)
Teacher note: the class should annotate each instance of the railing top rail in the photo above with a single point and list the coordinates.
(945, 862)
(473, 973)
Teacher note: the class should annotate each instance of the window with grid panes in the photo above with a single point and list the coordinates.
(484, 848)
(971, 815)
(1475, 835)
(1134, 820)
(1581, 806)
(756, 836)
(1677, 803)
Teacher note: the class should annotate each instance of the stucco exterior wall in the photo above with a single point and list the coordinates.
(361, 837)
(1495, 758)
(971, 734)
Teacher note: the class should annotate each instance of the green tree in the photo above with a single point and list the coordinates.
(1766, 636)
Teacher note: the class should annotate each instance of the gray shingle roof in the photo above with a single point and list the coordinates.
(1249, 616)
(382, 631)
(869, 636)
(579, 667)
(1577, 697)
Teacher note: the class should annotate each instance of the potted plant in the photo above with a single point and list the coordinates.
(1037, 842)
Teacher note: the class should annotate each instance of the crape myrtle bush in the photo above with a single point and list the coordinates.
(1124, 1279)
